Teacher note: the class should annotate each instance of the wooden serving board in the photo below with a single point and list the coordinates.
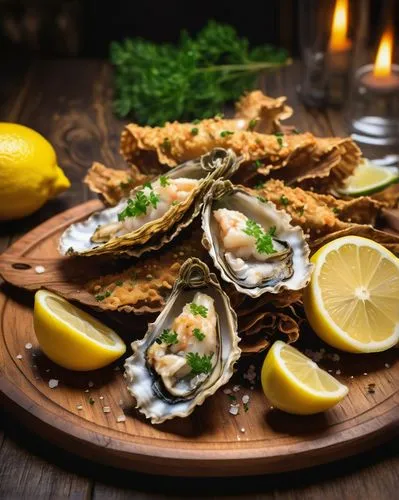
(211, 441)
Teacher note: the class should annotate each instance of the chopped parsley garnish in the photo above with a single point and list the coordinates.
(138, 206)
(198, 334)
(166, 145)
(252, 124)
(164, 181)
(284, 200)
(226, 133)
(168, 337)
(280, 138)
(300, 210)
(246, 407)
(258, 164)
(195, 122)
(91, 401)
(194, 131)
(231, 397)
(126, 184)
(371, 388)
(259, 185)
(296, 131)
(336, 210)
(199, 364)
(119, 283)
(219, 115)
(147, 185)
(264, 242)
(197, 309)
(102, 296)
(262, 199)
(175, 202)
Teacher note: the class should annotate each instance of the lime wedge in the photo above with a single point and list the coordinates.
(369, 178)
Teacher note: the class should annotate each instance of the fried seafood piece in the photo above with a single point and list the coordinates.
(262, 113)
(112, 184)
(319, 214)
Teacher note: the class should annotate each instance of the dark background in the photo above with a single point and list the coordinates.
(86, 27)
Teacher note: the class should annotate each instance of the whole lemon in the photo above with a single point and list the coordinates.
(29, 174)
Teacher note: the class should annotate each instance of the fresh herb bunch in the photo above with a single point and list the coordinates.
(264, 241)
(159, 83)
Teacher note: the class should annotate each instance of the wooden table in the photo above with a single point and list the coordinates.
(69, 103)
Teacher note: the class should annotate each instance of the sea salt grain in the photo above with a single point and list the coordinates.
(121, 418)
(227, 391)
(236, 388)
(39, 269)
(53, 383)
(387, 365)
(233, 410)
(242, 429)
(101, 397)
(19, 356)
(338, 372)
(106, 409)
(28, 346)
(245, 399)
(79, 407)
(90, 384)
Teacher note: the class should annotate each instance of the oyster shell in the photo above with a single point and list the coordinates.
(161, 210)
(252, 243)
(160, 374)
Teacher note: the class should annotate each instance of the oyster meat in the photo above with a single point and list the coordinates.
(252, 243)
(190, 350)
(152, 214)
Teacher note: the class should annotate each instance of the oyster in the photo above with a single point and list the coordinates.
(252, 243)
(153, 214)
(190, 350)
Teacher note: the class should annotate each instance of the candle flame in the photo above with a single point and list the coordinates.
(339, 30)
(383, 61)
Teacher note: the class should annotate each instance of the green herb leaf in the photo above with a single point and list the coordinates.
(199, 364)
(301, 210)
(252, 124)
(103, 296)
(226, 133)
(246, 407)
(166, 145)
(264, 242)
(196, 121)
(164, 181)
(167, 337)
(262, 199)
(194, 131)
(280, 138)
(148, 185)
(259, 185)
(296, 131)
(91, 401)
(119, 283)
(258, 164)
(154, 199)
(284, 200)
(336, 210)
(198, 334)
(197, 309)
(231, 397)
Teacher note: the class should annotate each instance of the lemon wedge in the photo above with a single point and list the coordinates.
(72, 338)
(352, 301)
(369, 178)
(294, 383)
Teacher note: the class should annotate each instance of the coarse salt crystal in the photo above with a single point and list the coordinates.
(120, 402)
(87, 390)
(79, 407)
(19, 356)
(121, 418)
(365, 374)
(101, 397)
(48, 370)
(106, 409)
(233, 410)
(39, 269)
(338, 372)
(53, 383)
(28, 346)
(387, 365)
(90, 384)
(236, 388)
(227, 391)
(242, 429)
(245, 399)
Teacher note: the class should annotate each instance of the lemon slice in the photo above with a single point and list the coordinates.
(369, 178)
(294, 383)
(72, 338)
(352, 301)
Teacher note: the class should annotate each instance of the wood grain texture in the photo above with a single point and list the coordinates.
(375, 474)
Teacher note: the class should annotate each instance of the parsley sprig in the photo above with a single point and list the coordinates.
(264, 241)
(198, 334)
(164, 181)
(167, 337)
(193, 79)
(197, 309)
(139, 205)
(199, 364)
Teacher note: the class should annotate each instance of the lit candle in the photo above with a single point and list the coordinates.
(339, 41)
(381, 78)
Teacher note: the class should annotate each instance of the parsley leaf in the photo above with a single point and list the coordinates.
(284, 200)
(119, 283)
(280, 138)
(154, 199)
(194, 131)
(198, 334)
(148, 185)
(258, 164)
(166, 145)
(226, 133)
(103, 296)
(199, 364)
(168, 337)
(197, 309)
(264, 242)
(262, 199)
(164, 181)
(336, 210)
(301, 210)
(252, 124)
(259, 185)
(137, 207)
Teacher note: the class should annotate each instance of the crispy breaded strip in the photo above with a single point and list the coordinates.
(263, 112)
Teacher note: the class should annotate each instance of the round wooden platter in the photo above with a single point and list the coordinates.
(211, 441)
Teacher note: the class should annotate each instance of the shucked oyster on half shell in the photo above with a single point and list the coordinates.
(153, 214)
(253, 244)
(190, 350)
